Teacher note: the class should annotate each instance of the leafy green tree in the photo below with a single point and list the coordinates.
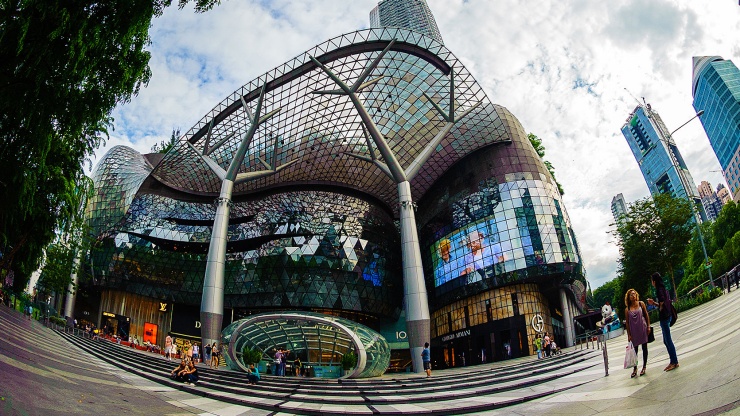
(165, 146)
(540, 149)
(606, 292)
(64, 66)
(653, 237)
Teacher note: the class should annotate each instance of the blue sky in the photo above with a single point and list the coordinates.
(561, 68)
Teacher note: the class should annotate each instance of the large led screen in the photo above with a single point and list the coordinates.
(502, 228)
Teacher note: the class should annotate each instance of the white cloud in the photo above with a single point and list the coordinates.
(560, 67)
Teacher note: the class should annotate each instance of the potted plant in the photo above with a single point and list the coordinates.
(349, 361)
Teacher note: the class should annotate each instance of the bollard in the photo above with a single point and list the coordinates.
(606, 358)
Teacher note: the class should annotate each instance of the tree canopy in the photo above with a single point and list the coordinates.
(653, 238)
(540, 149)
(64, 66)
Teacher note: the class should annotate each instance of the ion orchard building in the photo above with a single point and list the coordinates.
(314, 220)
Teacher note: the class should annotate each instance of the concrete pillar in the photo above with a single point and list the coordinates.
(414, 288)
(212, 302)
(69, 305)
(567, 318)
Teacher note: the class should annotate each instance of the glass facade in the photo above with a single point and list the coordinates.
(321, 235)
(717, 91)
(408, 14)
(660, 162)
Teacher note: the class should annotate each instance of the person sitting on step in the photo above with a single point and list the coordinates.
(253, 374)
(176, 374)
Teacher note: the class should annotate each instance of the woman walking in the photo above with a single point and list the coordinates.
(665, 306)
(215, 355)
(637, 324)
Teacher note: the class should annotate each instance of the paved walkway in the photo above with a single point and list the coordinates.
(42, 374)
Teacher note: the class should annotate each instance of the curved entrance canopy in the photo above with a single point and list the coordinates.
(319, 340)
(318, 137)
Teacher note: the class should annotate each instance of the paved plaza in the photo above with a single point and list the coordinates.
(44, 374)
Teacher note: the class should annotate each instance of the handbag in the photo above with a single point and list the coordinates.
(651, 335)
(630, 356)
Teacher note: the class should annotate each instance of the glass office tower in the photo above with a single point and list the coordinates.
(656, 153)
(716, 90)
(407, 14)
(619, 208)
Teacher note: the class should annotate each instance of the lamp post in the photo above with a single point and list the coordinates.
(693, 208)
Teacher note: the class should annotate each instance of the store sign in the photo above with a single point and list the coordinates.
(538, 324)
(458, 334)
(162, 307)
(109, 315)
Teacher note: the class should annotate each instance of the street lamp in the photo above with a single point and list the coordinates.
(693, 208)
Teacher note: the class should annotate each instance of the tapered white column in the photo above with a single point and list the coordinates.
(69, 304)
(414, 288)
(212, 302)
(567, 318)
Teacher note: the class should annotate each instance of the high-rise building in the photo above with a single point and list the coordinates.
(705, 189)
(716, 90)
(723, 194)
(710, 200)
(619, 208)
(661, 163)
(407, 14)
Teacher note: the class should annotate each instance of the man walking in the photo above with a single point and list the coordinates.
(426, 359)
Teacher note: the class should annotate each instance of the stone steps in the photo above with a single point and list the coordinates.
(464, 390)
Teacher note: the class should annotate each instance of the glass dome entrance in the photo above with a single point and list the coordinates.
(320, 341)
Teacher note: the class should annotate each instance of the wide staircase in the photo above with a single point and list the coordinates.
(455, 391)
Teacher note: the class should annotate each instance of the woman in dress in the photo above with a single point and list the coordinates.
(637, 324)
(168, 347)
(215, 355)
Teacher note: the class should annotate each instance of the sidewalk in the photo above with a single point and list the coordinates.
(706, 383)
(42, 374)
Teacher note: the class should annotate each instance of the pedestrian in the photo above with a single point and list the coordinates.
(253, 374)
(665, 314)
(30, 312)
(538, 346)
(168, 348)
(215, 355)
(426, 359)
(297, 365)
(207, 354)
(283, 361)
(191, 373)
(547, 344)
(637, 324)
(177, 373)
(196, 352)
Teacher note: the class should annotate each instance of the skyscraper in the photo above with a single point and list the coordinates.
(656, 153)
(619, 208)
(407, 14)
(709, 200)
(716, 90)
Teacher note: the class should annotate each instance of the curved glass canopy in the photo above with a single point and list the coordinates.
(319, 340)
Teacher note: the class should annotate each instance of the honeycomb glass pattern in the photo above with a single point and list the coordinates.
(117, 178)
(323, 133)
(319, 340)
(311, 249)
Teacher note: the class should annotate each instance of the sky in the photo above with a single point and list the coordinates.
(568, 70)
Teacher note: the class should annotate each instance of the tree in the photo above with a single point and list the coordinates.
(540, 149)
(64, 66)
(653, 237)
(607, 292)
(164, 147)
